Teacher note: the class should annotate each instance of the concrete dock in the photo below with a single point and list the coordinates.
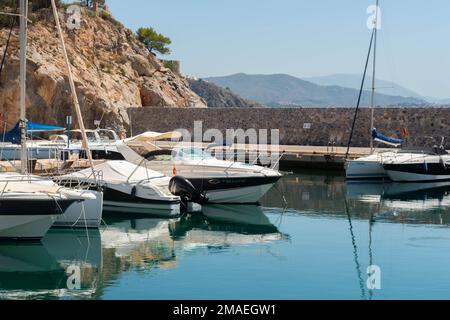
(292, 157)
(314, 157)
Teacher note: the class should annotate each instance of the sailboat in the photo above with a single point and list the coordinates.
(375, 165)
(29, 208)
(29, 205)
(369, 167)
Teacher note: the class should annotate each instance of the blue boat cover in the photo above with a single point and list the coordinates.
(13, 136)
(382, 138)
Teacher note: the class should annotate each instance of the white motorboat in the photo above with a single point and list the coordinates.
(84, 213)
(30, 208)
(101, 144)
(219, 180)
(130, 188)
(373, 166)
(415, 167)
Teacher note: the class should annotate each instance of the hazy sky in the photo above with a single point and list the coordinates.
(302, 37)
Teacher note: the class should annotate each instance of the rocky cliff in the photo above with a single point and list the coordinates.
(113, 71)
(217, 97)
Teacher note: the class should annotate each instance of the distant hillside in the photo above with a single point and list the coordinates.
(217, 97)
(280, 90)
(354, 81)
(438, 101)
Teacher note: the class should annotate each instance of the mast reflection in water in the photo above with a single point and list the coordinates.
(319, 245)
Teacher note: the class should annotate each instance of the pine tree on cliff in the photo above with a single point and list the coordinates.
(154, 41)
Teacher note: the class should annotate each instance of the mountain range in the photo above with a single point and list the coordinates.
(218, 97)
(385, 87)
(282, 90)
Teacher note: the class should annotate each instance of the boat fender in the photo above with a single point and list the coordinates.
(133, 191)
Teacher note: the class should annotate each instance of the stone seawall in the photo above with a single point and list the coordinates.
(306, 126)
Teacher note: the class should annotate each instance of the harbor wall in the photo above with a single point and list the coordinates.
(304, 126)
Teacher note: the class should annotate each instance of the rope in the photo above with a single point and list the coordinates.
(85, 223)
(13, 22)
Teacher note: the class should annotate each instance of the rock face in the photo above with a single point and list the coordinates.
(113, 72)
(217, 97)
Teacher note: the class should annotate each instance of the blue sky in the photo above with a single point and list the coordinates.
(301, 37)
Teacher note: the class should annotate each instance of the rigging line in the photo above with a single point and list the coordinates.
(355, 251)
(372, 98)
(7, 45)
(360, 94)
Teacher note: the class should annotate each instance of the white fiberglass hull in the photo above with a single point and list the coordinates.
(84, 214)
(365, 170)
(24, 227)
(369, 167)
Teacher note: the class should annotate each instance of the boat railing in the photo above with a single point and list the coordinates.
(149, 178)
(94, 180)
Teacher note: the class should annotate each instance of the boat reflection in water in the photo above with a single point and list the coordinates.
(225, 225)
(143, 244)
(421, 203)
(42, 271)
(148, 242)
(332, 196)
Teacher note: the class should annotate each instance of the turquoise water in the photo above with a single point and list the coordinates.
(316, 243)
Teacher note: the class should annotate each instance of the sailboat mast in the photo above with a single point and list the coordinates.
(73, 89)
(23, 74)
(372, 98)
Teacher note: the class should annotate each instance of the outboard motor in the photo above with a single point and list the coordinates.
(183, 188)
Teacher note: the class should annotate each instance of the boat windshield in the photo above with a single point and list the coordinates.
(107, 135)
(77, 136)
(193, 154)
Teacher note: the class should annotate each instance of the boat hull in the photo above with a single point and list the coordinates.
(117, 201)
(24, 227)
(365, 170)
(240, 190)
(29, 220)
(19, 206)
(84, 214)
(415, 172)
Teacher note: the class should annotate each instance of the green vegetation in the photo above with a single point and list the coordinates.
(13, 5)
(154, 41)
(171, 65)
